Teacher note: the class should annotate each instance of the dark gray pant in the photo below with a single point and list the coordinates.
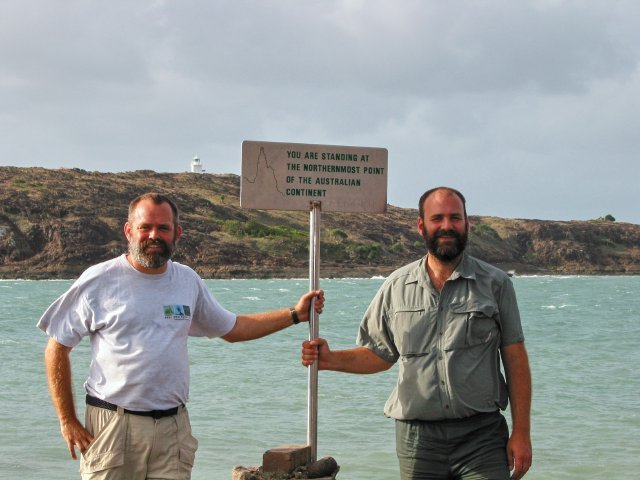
(474, 448)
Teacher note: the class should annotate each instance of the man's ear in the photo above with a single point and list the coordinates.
(178, 232)
(420, 227)
(127, 231)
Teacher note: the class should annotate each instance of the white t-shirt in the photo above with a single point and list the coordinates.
(138, 325)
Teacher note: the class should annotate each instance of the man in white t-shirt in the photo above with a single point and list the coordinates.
(138, 311)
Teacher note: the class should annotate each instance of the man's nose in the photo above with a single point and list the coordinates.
(446, 224)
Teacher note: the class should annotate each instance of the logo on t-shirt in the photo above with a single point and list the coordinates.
(177, 312)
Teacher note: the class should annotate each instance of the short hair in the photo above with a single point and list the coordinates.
(158, 199)
(426, 194)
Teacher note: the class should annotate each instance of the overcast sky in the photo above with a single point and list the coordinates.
(530, 108)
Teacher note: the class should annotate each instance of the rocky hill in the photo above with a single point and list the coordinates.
(55, 223)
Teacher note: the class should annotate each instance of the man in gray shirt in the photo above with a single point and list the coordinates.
(448, 319)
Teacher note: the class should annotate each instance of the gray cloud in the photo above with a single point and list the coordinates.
(530, 107)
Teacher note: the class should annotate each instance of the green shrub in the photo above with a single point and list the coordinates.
(256, 229)
(396, 247)
(338, 234)
(369, 252)
(484, 230)
(292, 247)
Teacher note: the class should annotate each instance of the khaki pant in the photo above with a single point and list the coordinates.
(133, 447)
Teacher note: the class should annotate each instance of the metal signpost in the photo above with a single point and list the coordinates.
(314, 329)
(332, 178)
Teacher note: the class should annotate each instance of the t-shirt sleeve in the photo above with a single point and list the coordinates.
(210, 318)
(68, 318)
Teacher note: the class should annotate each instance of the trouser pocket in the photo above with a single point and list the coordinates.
(107, 449)
(187, 443)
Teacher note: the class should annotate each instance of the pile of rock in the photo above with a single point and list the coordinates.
(289, 462)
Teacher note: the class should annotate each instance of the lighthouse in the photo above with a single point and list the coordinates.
(196, 165)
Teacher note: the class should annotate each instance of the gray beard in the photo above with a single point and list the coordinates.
(151, 260)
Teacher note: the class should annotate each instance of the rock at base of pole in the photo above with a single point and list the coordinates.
(283, 464)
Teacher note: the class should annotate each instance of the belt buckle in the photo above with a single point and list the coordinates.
(157, 414)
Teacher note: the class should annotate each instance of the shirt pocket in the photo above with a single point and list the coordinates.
(413, 331)
(471, 325)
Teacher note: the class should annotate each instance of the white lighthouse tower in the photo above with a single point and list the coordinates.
(196, 165)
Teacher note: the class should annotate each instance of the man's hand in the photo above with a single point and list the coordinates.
(303, 307)
(75, 435)
(519, 455)
(313, 350)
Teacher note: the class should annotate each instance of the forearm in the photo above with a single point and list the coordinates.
(359, 360)
(516, 366)
(519, 384)
(258, 325)
(58, 367)
(520, 397)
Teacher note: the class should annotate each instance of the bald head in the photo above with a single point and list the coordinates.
(447, 190)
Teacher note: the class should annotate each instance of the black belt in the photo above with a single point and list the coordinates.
(96, 402)
(446, 421)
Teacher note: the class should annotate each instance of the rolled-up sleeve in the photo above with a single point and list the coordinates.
(374, 332)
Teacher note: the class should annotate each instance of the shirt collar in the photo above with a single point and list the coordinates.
(464, 269)
(419, 271)
(418, 274)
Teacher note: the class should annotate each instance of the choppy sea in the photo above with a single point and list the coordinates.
(582, 334)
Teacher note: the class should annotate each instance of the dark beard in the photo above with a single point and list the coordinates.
(151, 259)
(446, 253)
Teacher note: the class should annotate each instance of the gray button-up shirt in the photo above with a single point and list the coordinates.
(447, 343)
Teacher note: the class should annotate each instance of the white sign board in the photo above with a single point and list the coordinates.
(291, 176)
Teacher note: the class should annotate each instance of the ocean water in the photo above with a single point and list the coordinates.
(582, 334)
